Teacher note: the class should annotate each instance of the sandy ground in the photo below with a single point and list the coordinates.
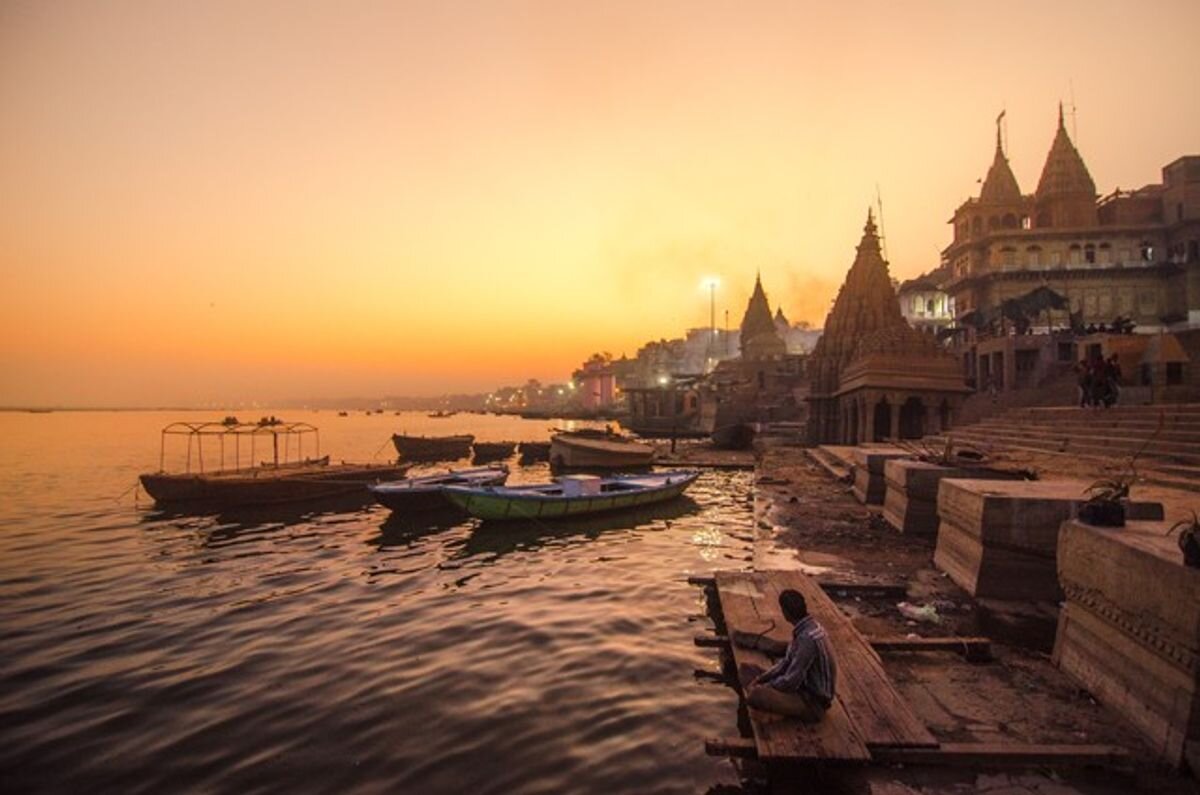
(807, 520)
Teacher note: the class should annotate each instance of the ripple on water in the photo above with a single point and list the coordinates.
(351, 650)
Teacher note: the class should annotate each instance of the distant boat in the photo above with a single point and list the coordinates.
(533, 452)
(432, 448)
(437, 415)
(485, 452)
(595, 450)
(343, 414)
(424, 493)
(569, 496)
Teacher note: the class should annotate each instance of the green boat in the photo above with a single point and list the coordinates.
(568, 496)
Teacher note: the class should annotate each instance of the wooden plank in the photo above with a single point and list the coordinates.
(701, 582)
(739, 747)
(710, 641)
(882, 716)
(778, 737)
(1007, 754)
(973, 649)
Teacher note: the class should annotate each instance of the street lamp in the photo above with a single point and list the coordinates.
(711, 282)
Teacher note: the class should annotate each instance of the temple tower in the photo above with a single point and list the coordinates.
(759, 337)
(1066, 194)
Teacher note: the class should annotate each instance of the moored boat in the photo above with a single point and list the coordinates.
(568, 496)
(281, 480)
(425, 492)
(533, 452)
(570, 450)
(432, 448)
(485, 452)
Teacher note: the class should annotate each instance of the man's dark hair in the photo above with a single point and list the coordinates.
(793, 605)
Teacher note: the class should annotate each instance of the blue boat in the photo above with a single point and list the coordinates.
(425, 492)
(569, 496)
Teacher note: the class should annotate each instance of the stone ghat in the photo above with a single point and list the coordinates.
(1130, 630)
(999, 539)
(869, 485)
(910, 503)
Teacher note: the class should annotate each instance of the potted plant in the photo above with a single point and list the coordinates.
(1189, 540)
(1105, 507)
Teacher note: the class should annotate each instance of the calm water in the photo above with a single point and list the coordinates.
(344, 649)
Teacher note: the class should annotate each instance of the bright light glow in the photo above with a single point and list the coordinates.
(664, 380)
(710, 283)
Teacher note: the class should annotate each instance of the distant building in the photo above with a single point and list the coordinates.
(595, 384)
(798, 337)
(1132, 254)
(924, 304)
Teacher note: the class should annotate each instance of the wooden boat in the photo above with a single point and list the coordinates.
(268, 485)
(425, 492)
(569, 496)
(598, 451)
(282, 480)
(432, 448)
(485, 452)
(533, 452)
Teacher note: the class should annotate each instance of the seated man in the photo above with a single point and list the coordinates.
(801, 684)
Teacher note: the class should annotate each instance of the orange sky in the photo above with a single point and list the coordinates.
(225, 200)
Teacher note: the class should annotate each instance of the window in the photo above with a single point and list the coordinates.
(1089, 254)
(1073, 254)
(1174, 373)
(1026, 222)
(1147, 251)
(1056, 259)
(929, 306)
(1033, 256)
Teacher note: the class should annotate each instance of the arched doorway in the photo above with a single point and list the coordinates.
(883, 420)
(912, 419)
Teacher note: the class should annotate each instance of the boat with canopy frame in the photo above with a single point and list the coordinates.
(287, 476)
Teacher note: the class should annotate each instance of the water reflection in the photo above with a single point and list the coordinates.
(403, 530)
(494, 540)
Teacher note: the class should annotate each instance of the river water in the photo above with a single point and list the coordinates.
(346, 649)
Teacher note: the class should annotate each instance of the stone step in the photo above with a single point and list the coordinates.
(1099, 419)
(1161, 442)
(1099, 445)
(1158, 473)
(1111, 454)
(1174, 410)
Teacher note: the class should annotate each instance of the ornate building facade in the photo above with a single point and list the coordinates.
(874, 377)
(1133, 255)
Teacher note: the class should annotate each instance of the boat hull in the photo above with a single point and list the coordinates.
(486, 452)
(413, 496)
(267, 486)
(432, 448)
(499, 506)
(587, 453)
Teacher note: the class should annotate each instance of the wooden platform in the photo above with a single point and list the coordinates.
(869, 721)
(867, 712)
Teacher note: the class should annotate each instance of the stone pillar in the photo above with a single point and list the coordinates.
(868, 434)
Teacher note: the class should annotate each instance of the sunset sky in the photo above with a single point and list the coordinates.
(220, 201)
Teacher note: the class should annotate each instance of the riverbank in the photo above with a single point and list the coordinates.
(807, 520)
